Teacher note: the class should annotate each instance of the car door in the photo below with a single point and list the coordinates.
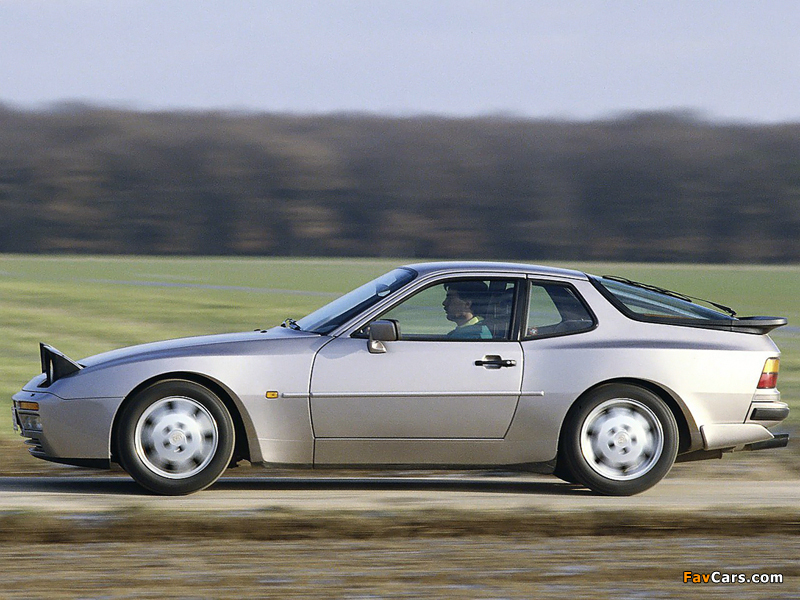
(441, 379)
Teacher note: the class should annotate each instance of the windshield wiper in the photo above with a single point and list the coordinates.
(291, 324)
(678, 295)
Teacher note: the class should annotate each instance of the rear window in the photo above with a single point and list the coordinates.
(650, 303)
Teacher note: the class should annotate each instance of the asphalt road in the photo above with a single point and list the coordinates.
(80, 494)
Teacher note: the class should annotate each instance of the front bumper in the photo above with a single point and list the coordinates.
(25, 423)
(28, 424)
(75, 431)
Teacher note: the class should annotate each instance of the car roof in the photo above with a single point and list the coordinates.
(428, 268)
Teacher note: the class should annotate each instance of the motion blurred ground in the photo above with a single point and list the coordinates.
(486, 567)
(433, 537)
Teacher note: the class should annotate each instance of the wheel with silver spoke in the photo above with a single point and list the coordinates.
(619, 440)
(622, 439)
(175, 437)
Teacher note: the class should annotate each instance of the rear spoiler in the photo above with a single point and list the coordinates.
(760, 325)
(756, 325)
(55, 364)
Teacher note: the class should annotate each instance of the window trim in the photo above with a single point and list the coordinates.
(533, 280)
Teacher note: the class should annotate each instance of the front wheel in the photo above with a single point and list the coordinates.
(619, 440)
(175, 437)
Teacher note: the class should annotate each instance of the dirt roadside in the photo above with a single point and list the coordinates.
(478, 567)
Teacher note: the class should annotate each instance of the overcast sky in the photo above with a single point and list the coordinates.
(728, 59)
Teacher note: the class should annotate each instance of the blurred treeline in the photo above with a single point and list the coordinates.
(646, 187)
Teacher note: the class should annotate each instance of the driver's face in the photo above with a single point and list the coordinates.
(455, 308)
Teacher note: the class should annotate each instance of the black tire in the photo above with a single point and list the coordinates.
(175, 437)
(619, 440)
(562, 472)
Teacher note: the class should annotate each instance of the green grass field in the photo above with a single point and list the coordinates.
(86, 305)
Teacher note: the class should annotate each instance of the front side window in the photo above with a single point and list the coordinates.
(458, 309)
(555, 309)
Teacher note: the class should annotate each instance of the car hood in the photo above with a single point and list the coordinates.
(244, 343)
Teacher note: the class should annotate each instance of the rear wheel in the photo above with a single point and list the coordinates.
(175, 437)
(619, 440)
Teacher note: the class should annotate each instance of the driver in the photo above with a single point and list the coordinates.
(461, 304)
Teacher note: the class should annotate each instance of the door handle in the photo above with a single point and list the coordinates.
(492, 361)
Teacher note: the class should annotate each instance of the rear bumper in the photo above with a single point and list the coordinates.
(769, 413)
(767, 409)
(738, 436)
(779, 440)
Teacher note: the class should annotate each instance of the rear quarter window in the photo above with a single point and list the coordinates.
(654, 305)
(555, 309)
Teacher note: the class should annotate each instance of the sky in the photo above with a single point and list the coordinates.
(728, 60)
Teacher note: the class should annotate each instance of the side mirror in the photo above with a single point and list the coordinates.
(382, 331)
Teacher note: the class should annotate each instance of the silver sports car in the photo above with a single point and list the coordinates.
(603, 381)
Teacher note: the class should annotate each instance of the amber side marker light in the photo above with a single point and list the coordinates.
(28, 405)
(769, 376)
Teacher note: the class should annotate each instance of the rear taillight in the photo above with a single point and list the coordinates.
(769, 376)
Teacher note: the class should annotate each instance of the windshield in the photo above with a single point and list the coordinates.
(651, 303)
(341, 310)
